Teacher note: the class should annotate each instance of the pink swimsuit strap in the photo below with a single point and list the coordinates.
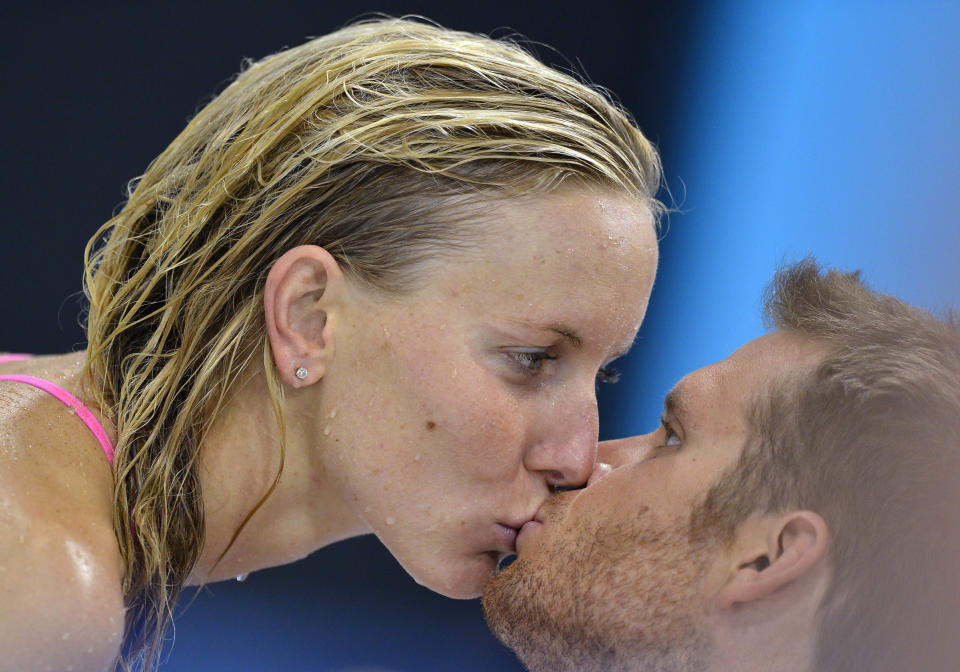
(69, 400)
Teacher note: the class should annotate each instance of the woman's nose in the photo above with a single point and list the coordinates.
(567, 455)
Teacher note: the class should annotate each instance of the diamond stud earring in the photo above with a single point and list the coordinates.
(301, 373)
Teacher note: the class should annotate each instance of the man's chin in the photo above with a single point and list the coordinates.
(514, 616)
(623, 597)
(527, 612)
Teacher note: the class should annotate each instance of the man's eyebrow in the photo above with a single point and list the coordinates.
(674, 403)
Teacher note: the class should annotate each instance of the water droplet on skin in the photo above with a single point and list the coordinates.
(333, 414)
(454, 374)
(66, 636)
(416, 458)
(241, 578)
(367, 509)
(391, 520)
(326, 430)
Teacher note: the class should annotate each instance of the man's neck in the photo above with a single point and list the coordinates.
(760, 643)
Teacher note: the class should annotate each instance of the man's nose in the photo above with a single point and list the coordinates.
(599, 471)
(619, 452)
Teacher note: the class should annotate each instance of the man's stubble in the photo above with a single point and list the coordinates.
(617, 597)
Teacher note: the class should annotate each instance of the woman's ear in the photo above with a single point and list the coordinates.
(778, 552)
(302, 301)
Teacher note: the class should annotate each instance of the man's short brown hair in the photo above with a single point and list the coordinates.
(869, 439)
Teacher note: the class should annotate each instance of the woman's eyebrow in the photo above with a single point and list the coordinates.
(577, 342)
(573, 338)
(559, 328)
(568, 334)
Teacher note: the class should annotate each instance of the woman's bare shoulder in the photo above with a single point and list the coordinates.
(62, 597)
(61, 574)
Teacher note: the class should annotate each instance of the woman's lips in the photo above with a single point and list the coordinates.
(507, 538)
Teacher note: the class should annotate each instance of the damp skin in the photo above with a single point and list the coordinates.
(460, 405)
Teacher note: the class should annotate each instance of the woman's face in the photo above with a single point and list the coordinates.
(447, 414)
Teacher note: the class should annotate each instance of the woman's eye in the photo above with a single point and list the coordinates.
(530, 362)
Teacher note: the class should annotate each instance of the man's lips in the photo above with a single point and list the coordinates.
(549, 511)
(509, 531)
(530, 528)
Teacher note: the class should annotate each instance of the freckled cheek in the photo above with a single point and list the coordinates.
(485, 441)
(464, 417)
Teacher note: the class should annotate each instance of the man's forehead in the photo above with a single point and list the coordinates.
(750, 367)
(698, 392)
(778, 352)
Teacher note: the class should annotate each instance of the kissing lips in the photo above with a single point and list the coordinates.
(507, 538)
(550, 510)
(527, 532)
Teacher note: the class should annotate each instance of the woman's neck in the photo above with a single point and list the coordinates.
(239, 463)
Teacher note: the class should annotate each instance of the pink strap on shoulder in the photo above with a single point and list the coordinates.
(73, 403)
(13, 357)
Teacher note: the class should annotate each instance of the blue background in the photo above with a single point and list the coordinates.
(786, 129)
(820, 128)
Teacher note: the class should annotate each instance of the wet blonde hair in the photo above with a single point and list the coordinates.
(374, 142)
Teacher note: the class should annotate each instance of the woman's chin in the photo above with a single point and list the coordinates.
(462, 580)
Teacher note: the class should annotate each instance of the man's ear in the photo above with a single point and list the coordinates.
(775, 554)
(302, 301)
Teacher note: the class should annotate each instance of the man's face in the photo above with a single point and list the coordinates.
(611, 578)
